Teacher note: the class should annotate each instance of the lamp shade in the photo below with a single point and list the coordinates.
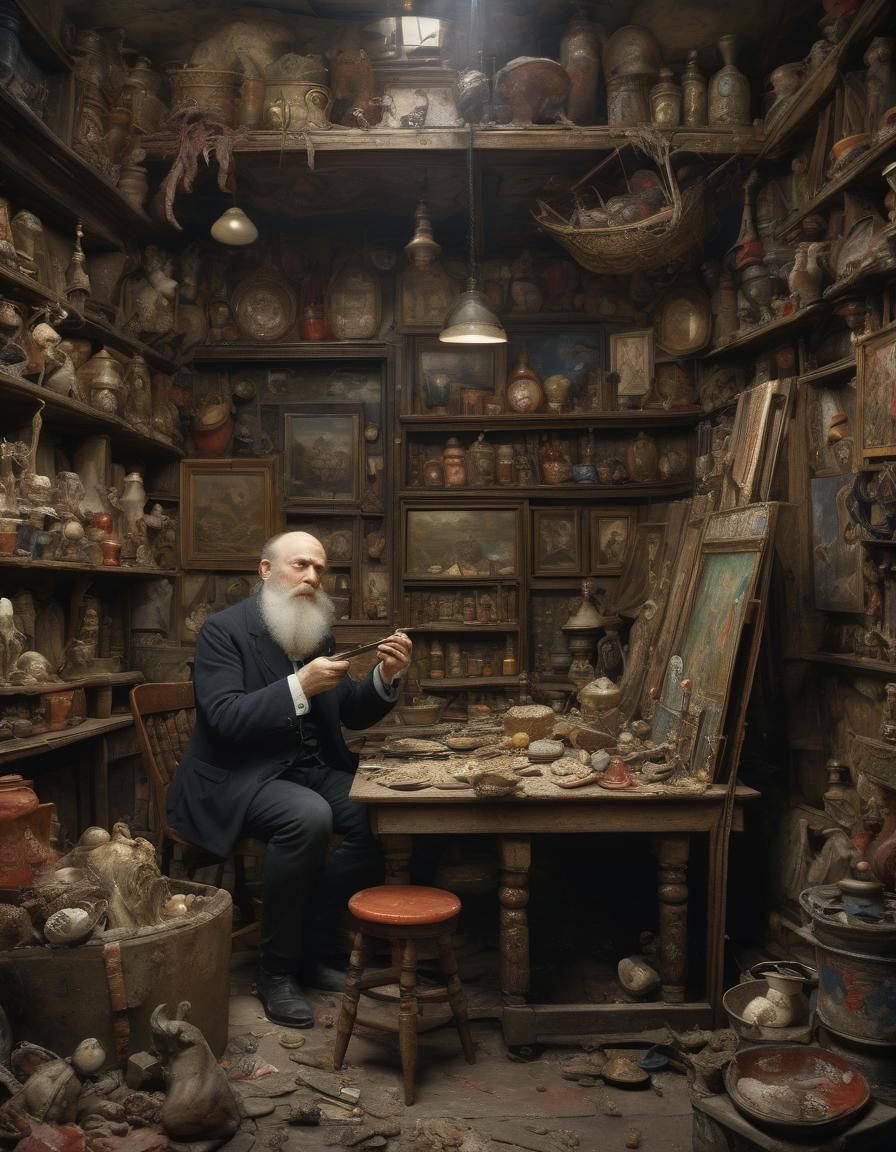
(471, 320)
(235, 228)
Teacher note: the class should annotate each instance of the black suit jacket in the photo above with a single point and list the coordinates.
(246, 730)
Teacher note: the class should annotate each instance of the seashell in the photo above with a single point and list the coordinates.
(776, 1101)
(175, 906)
(26, 1058)
(41, 902)
(621, 1070)
(72, 925)
(599, 760)
(636, 976)
(543, 751)
(88, 1057)
(51, 1093)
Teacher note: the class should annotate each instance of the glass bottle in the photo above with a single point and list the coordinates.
(729, 90)
(508, 664)
(693, 91)
(580, 56)
(665, 100)
(504, 464)
(454, 465)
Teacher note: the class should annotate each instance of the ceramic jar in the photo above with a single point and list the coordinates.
(524, 388)
(111, 550)
(213, 429)
(454, 466)
(504, 464)
(729, 90)
(433, 476)
(102, 377)
(557, 390)
(628, 101)
(355, 304)
(250, 107)
(133, 184)
(17, 797)
(580, 56)
(555, 466)
(666, 100)
(132, 501)
(209, 91)
(59, 709)
(437, 391)
(693, 93)
(641, 459)
(481, 463)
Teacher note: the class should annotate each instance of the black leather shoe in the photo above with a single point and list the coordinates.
(282, 1000)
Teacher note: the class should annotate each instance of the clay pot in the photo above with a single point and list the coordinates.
(524, 388)
(59, 709)
(616, 775)
(111, 550)
(213, 429)
(17, 797)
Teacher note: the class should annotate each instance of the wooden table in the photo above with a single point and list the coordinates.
(398, 816)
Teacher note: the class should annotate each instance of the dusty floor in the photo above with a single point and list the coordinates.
(500, 1104)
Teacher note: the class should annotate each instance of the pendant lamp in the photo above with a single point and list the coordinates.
(234, 227)
(471, 319)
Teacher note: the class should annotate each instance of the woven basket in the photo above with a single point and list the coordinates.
(619, 249)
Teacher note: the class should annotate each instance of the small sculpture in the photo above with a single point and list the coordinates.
(11, 641)
(199, 1102)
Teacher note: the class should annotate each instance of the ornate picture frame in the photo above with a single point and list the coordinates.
(322, 450)
(229, 509)
(875, 371)
(632, 359)
(610, 536)
(460, 543)
(557, 542)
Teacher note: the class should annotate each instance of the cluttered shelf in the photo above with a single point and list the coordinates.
(98, 680)
(772, 332)
(670, 490)
(844, 660)
(548, 421)
(96, 569)
(19, 749)
(827, 373)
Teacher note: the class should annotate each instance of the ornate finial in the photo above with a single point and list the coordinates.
(422, 250)
(77, 282)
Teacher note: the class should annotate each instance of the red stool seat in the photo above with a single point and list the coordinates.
(404, 904)
(408, 916)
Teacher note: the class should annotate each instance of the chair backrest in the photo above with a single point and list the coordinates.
(164, 715)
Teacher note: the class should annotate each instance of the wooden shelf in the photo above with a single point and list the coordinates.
(839, 369)
(304, 350)
(457, 682)
(877, 274)
(26, 288)
(551, 138)
(776, 331)
(23, 562)
(577, 421)
(99, 680)
(459, 581)
(865, 169)
(632, 491)
(822, 80)
(459, 626)
(56, 183)
(860, 663)
(74, 415)
(50, 741)
(97, 328)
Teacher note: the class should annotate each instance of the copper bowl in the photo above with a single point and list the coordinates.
(849, 146)
(829, 1091)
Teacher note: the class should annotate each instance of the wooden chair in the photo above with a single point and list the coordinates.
(164, 715)
(405, 915)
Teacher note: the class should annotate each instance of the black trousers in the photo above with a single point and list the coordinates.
(303, 891)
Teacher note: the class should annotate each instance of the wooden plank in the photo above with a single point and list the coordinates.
(537, 1023)
(100, 679)
(51, 741)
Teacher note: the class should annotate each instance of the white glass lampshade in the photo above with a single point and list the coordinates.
(235, 228)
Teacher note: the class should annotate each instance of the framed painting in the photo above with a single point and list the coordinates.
(557, 542)
(610, 534)
(831, 421)
(876, 410)
(631, 360)
(456, 381)
(837, 552)
(454, 543)
(229, 509)
(322, 456)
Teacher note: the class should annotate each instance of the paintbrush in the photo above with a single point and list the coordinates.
(351, 653)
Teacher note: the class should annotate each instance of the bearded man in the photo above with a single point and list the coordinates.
(267, 758)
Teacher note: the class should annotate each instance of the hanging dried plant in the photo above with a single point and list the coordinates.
(197, 136)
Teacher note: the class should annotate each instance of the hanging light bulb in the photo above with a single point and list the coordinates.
(471, 319)
(234, 227)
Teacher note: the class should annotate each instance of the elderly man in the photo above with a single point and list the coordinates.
(267, 758)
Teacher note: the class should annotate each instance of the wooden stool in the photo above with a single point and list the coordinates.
(405, 915)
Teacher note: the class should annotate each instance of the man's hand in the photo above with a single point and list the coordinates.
(395, 656)
(321, 674)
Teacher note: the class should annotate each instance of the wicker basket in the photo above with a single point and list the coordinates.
(615, 250)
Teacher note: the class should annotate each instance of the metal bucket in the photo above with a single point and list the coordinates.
(856, 993)
(211, 92)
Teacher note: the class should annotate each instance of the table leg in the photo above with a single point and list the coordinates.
(397, 851)
(515, 858)
(672, 890)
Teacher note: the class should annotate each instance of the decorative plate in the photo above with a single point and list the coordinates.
(264, 306)
(682, 321)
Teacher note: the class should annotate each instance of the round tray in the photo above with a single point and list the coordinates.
(264, 306)
(832, 1087)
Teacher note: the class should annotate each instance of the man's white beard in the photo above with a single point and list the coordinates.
(298, 623)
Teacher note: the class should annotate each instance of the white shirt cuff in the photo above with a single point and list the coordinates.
(298, 696)
(386, 691)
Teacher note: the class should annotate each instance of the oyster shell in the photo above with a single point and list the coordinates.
(72, 925)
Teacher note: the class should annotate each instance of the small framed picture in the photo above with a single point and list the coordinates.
(322, 456)
(875, 371)
(557, 542)
(610, 534)
(631, 359)
(449, 543)
(229, 510)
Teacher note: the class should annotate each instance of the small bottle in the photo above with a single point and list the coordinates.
(504, 464)
(665, 100)
(693, 90)
(729, 89)
(436, 661)
(454, 463)
(508, 664)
